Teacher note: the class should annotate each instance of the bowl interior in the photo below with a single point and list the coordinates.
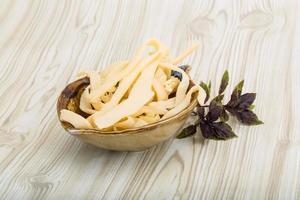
(70, 98)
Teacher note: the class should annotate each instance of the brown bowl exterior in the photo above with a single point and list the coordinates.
(126, 140)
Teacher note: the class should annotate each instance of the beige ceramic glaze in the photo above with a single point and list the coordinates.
(126, 140)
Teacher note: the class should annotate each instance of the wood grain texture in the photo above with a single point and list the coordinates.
(43, 44)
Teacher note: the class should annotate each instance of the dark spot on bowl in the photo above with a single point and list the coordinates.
(70, 97)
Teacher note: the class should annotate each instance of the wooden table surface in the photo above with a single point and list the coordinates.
(44, 44)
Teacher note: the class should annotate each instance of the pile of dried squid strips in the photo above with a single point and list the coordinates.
(135, 92)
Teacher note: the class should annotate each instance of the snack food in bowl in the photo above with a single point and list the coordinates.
(132, 104)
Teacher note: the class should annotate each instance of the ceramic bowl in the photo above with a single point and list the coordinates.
(136, 139)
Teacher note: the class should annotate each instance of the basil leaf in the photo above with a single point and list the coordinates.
(206, 88)
(224, 82)
(201, 112)
(246, 100)
(251, 107)
(224, 117)
(187, 132)
(219, 98)
(215, 110)
(248, 117)
(238, 88)
(234, 100)
(217, 131)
